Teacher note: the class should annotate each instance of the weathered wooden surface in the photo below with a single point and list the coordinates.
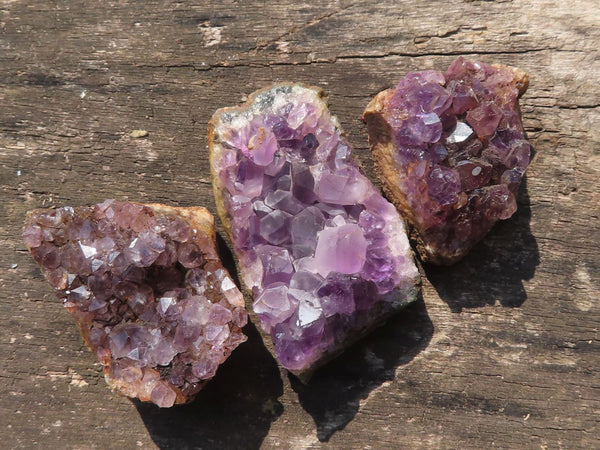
(504, 349)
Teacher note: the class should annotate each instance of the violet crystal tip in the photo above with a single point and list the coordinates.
(325, 256)
(147, 290)
(451, 152)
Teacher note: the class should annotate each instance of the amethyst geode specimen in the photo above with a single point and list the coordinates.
(325, 256)
(450, 151)
(147, 290)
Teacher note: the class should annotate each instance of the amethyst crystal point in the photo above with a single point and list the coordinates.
(325, 256)
(450, 151)
(148, 292)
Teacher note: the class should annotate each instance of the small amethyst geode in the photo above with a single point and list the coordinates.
(450, 151)
(147, 290)
(325, 256)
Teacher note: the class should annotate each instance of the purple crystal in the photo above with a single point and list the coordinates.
(305, 227)
(341, 249)
(274, 305)
(459, 151)
(148, 292)
(318, 243)
(274, 227)
(277, 264)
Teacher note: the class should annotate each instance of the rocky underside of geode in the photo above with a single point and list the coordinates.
(147, 290)
(450, 151)
(325, 256)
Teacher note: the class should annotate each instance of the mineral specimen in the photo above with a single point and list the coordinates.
(450, 151)
(325, 256)
(147, 290)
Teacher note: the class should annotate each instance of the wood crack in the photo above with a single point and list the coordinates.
(299, 28)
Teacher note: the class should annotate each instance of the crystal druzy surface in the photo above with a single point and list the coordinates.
(325, 255)
(451, 152)
(147, 290)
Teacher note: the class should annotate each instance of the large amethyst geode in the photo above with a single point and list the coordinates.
(324, 255)
(147, 290)
(450, 151)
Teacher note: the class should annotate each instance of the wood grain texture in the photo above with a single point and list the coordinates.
(504, 349)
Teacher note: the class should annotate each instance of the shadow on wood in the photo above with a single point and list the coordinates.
(496, 267)
(234, 410)
(332, 397)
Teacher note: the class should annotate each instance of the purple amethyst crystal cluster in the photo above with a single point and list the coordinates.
(451, 152)
(325, 255)
(147, 290)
